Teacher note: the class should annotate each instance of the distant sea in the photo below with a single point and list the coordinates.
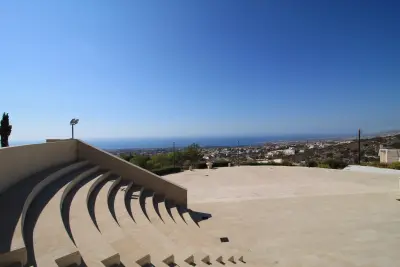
(141, 143)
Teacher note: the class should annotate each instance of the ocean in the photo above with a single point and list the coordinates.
(141, 143)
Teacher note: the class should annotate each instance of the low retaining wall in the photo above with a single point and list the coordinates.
(20, 162)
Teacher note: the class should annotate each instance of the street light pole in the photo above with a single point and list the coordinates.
(174, 152)
(238, 154)
(73, 122)
(359, 146)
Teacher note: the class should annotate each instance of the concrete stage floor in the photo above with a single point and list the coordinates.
(294, 216)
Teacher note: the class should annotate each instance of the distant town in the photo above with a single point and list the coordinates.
(295, 152)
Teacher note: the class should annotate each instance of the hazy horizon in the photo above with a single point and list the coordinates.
(235, 137)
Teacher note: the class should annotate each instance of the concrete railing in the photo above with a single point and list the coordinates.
(20, 162)
(132, 172)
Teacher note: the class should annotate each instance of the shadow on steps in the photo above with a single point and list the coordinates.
(38, 205)
(169, 205)
(142, 200)
(112, 193)
(65, 209)
(91, 203)
(17, 195)
(156, 200)
(199, 216)
(196, 216)
(129, 194)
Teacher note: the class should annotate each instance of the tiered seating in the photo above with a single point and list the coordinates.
(80, 214)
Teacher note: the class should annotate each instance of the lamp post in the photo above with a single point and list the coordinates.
(238, 157)
(174, 152)
(72, 123)
(359, 146)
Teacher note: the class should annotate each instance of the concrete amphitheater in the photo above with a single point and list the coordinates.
(67, 203)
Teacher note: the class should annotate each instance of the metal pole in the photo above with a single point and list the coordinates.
(72, 131)
(238, 154)
(174, 152)
(359, 146)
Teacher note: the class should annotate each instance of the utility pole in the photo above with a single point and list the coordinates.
(238, 159)
(359, 146)
(173, 148)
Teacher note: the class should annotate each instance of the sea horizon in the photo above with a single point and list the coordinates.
(227, 141)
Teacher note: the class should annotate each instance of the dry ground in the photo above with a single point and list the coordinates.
(293, 216)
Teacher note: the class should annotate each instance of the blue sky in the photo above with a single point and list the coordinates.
(199, 68)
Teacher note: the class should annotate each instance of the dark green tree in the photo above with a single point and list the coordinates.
(193, 153)
(5, 129)
(140, 160)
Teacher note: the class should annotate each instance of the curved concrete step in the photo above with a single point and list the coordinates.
(187, 246)
(129, 250)
(69, 193)
(10, 225)
(50, 242)
(221, 252)
(93, 248)
(91, 197)
(111, 194)
(190, 255)
(140, 231)
(18, 250)
(203, 243)
(108, 226)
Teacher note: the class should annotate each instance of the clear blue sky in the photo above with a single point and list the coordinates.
(199, 68)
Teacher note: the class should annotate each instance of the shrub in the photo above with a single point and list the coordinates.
(286, 163)
(200, 165)
(323, 165)
(375, 164)
(271, 163)
(167, 170)
(259, 163)
(395, 165)
(221, 163)
(312, 164)
(335, 164)
(186, 164)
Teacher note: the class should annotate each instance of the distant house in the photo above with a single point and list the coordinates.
(289, 151)
(388, 155)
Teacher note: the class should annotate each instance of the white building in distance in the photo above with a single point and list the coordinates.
(388, 155)
(289, 151)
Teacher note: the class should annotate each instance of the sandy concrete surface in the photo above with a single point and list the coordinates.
(294, 216)
(372, 169)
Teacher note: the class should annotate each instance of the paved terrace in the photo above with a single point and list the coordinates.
(293, 216)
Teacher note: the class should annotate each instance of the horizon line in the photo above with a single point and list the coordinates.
(326, 135)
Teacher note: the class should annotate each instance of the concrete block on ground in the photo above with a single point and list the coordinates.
(12, 257)
(146, 260)
(73, 258)
(170, 260)
(112, 260)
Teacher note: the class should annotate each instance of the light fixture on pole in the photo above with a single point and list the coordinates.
(72, 123)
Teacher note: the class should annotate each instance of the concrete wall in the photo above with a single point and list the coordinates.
(383, 155)
(389, 155)
(20, 162)
(55, 140)
(393, 155)
(132, 172)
